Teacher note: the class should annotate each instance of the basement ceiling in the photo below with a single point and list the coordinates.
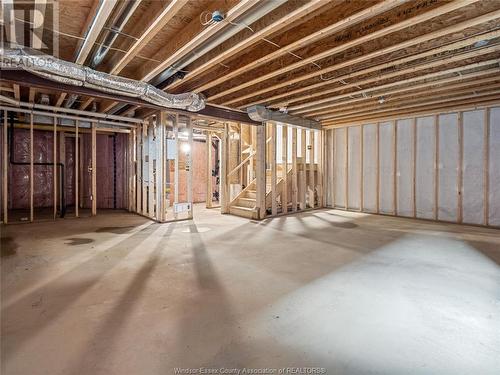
(336, 62)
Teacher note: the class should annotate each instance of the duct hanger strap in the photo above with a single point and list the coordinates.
(76, 75)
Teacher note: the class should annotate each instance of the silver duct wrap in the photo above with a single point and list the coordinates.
(72, 74)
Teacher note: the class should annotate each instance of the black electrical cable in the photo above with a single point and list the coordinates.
(13, 162)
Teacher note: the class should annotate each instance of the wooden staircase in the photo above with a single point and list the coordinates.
(245, 203)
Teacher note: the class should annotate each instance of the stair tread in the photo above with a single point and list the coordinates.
(242, 208)
(248, 199)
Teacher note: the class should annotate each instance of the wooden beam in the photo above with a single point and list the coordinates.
(5, 157)
(448, 7)
(377, 151)
(312, 91)
(103, 12)
(415, 99)
(303, 179)
(280, 23)
(77, 163)
(94, 169)
(274, 193)
(200, 38)
(460, 166)
(406, 81)
(54, 167)
(156, 26)
(346, 169)
(414, 167)
(224, 170)
(260, 165)
(85, 104)
(176, 164)
(303, 42)
(431, 110)
(32, 94)
(60, 99)
(190, 166)
(395, 162)
(32, 189)
(312, 182)
(208, 156)
(493, 94)
(436, 167)
(284, 164)
(486, 163)
(294, 170)
(362, 179)
(428, 87)
(17, 92)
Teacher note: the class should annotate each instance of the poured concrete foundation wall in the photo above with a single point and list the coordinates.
(442, 167)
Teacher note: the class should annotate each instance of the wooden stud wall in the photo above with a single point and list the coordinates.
(483, 195)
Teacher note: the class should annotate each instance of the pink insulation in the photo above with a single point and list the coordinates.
(19, 184)
(19, 175)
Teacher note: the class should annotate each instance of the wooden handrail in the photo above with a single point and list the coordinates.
(252, 154)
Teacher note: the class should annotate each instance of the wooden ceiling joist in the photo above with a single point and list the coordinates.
(281, 23)
(451, 83)
(471, 99)
(442, 95)
(448, 7)
(373, 55)
(103, 12)
(458, 70)
(208, 32)
(324, 103)
(428, 111)
(313, 92)
(158, 23)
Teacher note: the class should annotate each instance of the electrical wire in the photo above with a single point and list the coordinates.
(95, 43)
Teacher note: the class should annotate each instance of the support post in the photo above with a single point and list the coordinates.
(164, 162)
(54, 166)
(176, 164)
(152, 176)
(436, 166)
(224, 162)
(94, 170)
(362, 167)
(303, 179)
(414, 166)
(460, 165)
(31, 170)
(208, 155)
(261, 171)
(5, 173)
(284, 164)
(312, 165)
(77, 163)
(486, 165)
(139, 164)
(294, 170)
(274, 195)
(395, 163)
(189, 163)
(346, 168)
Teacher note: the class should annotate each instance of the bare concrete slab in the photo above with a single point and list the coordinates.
(347, 292)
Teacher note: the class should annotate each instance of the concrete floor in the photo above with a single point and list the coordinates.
(352, 293)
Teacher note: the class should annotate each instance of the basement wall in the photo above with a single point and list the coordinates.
(442, 167)
(110, 170)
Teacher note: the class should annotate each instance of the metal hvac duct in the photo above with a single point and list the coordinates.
(73, 74)
(261, 113)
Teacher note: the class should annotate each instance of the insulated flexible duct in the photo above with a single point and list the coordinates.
(73, 74)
